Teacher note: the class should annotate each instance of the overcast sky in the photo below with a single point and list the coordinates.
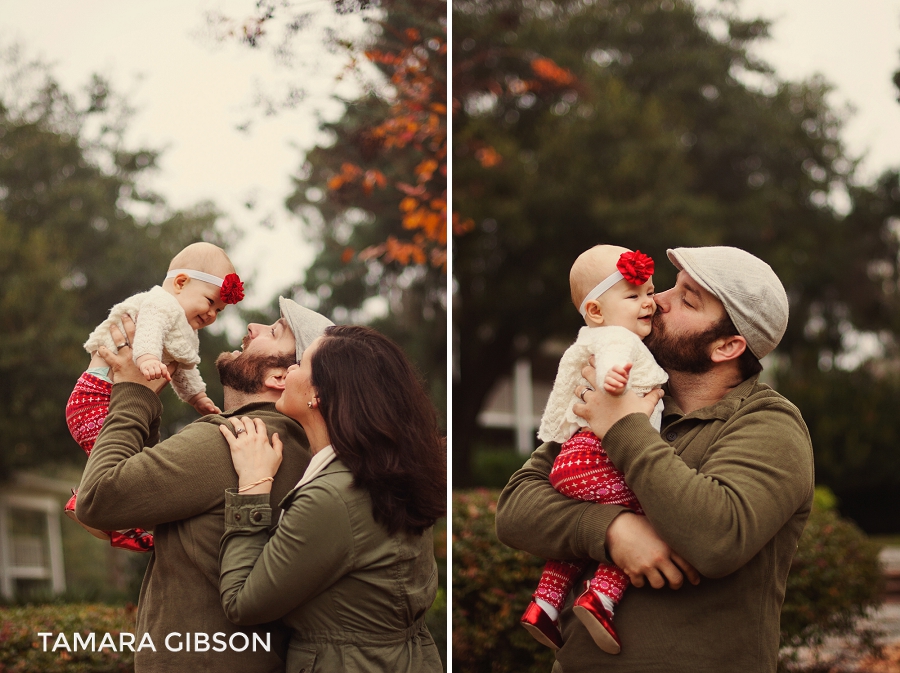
(191, 93)
(856, 47)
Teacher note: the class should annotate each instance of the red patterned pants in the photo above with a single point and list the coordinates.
(86, 410)
(583, 471)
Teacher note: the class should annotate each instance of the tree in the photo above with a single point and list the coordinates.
(669, 134)
(375, 198)
(72, 248)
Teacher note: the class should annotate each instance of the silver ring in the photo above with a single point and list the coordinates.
(121, 345)
(239, 431)
(583, 393)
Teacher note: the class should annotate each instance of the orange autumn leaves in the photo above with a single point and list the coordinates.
(417, 122)
(548, 77)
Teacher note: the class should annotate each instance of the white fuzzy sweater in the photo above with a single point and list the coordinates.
(162, 330)
(610, 346)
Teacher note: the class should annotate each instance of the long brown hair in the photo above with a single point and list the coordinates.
(382, 426)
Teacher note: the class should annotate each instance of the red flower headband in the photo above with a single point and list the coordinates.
(635, 267)
(233, 289)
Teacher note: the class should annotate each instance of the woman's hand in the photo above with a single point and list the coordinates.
(253, 456)
(121, 365)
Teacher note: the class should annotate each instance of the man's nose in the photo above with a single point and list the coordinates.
(662, 300)
(253, 330)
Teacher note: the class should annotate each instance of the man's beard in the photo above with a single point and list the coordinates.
(247, 372)
(687, 353)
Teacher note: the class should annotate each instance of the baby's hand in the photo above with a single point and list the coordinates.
(616, 379)
(204, 405)
(152, 368)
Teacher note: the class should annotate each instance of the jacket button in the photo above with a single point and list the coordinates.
(237, 517)
(257, 516)
(671, 436)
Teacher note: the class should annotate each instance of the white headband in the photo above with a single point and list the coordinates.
(197, 275)
(600, 288)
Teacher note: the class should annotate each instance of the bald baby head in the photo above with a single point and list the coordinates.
(204, 257)
(591, 267)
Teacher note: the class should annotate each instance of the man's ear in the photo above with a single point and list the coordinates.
(728, 348)
(275, 379)
(593, 314)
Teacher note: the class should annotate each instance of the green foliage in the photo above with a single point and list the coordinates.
(852, 420)
(348, 220)
(657, 141)
(72, 248)
(834, 580)
(492, 584)
(22, 651)
(492, 467)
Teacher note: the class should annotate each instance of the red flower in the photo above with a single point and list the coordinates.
(635, 266)
(232, 289)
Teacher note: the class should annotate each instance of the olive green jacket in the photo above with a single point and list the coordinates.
(729, 487)
(177, 488)
(354, 596)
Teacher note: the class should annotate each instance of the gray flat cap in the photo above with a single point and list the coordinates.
(306, 325)
(753, 296)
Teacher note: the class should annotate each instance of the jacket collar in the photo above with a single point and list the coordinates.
(724, 409)
(332, 468)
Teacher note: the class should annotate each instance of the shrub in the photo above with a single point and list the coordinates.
(835, 578)
(22, 650)
(492, 584)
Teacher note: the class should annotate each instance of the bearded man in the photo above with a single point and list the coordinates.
(726, 485)
(177, 488)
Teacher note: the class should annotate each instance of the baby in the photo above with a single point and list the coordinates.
(613, 289)
(200, 282)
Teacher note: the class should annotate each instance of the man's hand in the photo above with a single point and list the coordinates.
(634, 546)
(121, 367)
(601, 410)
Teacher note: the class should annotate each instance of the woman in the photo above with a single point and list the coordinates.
(350, 568)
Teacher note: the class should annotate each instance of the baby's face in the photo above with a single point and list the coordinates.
(629, 306)
(201, 302)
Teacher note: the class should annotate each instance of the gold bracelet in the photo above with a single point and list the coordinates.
(255, 483)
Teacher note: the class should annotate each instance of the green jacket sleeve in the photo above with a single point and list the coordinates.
(750, 481)
(534, 517)
(128, 484)
(263, 578)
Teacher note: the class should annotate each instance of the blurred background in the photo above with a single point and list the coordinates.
(308, 138)
(661, 124)
(768, 126)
